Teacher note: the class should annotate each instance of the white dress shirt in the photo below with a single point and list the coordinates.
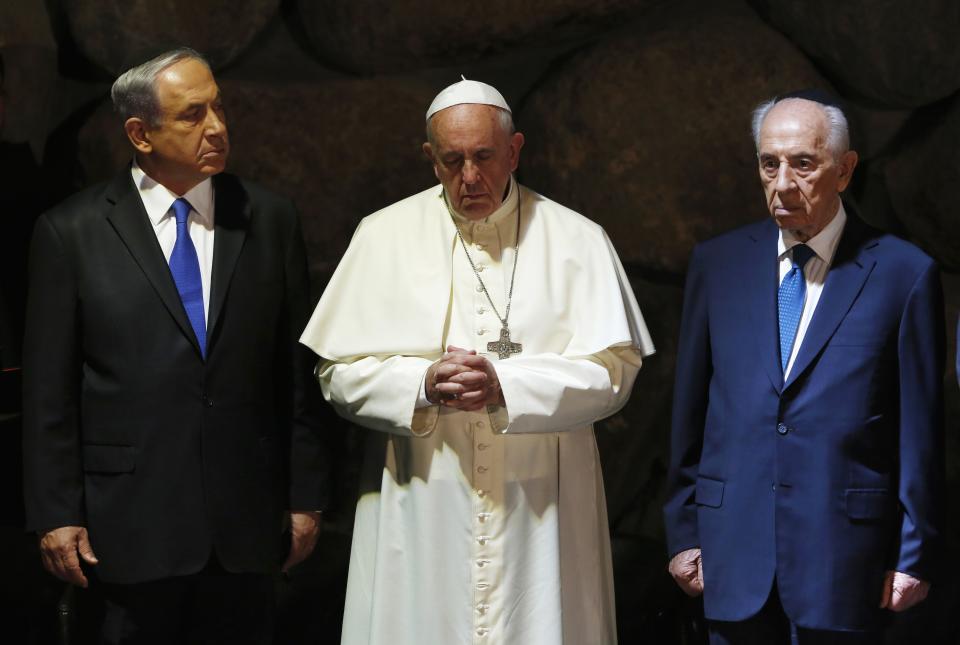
(158, 202)
(824, 245)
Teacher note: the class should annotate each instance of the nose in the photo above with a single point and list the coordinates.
(785, 178)
(215, 125)
(471, 174)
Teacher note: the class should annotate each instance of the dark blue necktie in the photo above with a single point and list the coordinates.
(790, 297)
(185, 268)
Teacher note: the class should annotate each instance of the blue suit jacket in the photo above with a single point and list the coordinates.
(830, 479)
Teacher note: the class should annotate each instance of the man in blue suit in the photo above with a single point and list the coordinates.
(806, 461)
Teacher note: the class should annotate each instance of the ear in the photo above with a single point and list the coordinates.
(136, 131)
(847, 163)
(428, 153)
(516, 142)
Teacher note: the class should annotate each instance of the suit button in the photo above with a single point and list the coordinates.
(208, 402)
(782, 428)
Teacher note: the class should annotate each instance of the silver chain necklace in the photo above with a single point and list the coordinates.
(503, 347)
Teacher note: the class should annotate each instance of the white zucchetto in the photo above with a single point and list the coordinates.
(467, 92)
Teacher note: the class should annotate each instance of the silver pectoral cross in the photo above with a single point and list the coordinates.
(504, 347)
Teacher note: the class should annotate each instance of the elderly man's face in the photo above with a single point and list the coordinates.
(800, 176)
(191, 143)
(473, 157)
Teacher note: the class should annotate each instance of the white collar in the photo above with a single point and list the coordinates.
(158, 199)
(508, 206)
(824, 243)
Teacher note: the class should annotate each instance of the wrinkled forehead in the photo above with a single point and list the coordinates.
(795, 122)
(186, 80)
(468, 121)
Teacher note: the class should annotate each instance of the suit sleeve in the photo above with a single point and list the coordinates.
(921, 349)
(690, 398)
(309, 458)
(53, 478)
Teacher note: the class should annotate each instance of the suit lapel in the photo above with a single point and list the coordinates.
(850, 269)
(231, 219)
(129, 219)
(761, 286)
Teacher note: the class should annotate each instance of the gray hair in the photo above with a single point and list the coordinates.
(504, 116)
(134, 93)
(838, 132)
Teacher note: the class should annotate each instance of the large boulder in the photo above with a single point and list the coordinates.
(341, 150)
(649, 133)
(896, 52)
(117, 34)
(368, 36)
(921, 180)
(30, 60)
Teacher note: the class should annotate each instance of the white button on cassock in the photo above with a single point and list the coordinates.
(482, 541)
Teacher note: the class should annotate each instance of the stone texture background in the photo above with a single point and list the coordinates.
(636, 113)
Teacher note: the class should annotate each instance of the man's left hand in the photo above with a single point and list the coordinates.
(304, 530)
(901, 591)
(474, 388)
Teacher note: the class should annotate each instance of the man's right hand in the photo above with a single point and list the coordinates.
(687, 569)
(462, 380)
(61, 550)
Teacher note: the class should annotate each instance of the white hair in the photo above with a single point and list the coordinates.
(504, 116)
(838, 132)
(134, 93)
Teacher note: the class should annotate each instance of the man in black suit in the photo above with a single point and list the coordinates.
(168, 406)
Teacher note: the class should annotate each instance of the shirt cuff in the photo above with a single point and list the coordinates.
(499, 419)
(422, 400)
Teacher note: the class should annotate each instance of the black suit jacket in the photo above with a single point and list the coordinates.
(163, 456)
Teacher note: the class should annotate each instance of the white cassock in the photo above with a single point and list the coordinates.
(490, 526)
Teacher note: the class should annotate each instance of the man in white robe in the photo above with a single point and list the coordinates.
(482, 516)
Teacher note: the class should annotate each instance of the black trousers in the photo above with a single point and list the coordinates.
(771, 626)
(208, 608)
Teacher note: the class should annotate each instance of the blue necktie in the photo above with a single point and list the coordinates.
(793, 291)
(185, 268)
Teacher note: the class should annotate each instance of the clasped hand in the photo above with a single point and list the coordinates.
(463, 380)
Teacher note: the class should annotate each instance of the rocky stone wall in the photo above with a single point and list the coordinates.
(636, 113)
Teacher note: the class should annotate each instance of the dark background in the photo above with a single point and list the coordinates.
(636, 114)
